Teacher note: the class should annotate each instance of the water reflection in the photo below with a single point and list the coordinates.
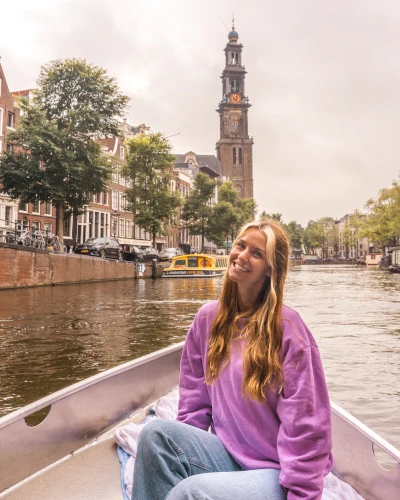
(54, 336)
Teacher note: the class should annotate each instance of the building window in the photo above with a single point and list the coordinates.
(240, 156)
(129, 229)
(122, 180)
(105, 198)
(115, 174)
(23, 207)
(234, 156)
(36, 207)
(98, 200)
(96, 224)
(7, 216)
(122, 201)
(122, 152)
(114, 226)
(67, 227)
(35, 225)
(102, 225)
(47, 208)
(128, 182)
(137, 231)
(10, 120)
(122, 227)
(115, 200)
(47, 228)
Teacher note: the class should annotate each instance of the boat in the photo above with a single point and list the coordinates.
(386, 260)
(72, 454)
(200, 265)
(395, 263)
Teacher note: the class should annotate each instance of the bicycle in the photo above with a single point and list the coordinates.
(55, 241)
(25, 238)
(38, 240)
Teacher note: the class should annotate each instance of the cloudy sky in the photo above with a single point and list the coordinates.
(323, 79)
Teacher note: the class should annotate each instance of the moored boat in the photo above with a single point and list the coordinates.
(395, 263)
(72, 454)
(199, 265)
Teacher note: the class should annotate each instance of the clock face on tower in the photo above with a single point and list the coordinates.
(235, 98)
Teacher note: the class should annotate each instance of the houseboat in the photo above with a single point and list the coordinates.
(70, 453)
(199, 265)
(373, 259)
(395, 264)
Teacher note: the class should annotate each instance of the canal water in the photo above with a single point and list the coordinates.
(54, 336)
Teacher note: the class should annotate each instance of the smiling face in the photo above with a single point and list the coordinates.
(248, 265)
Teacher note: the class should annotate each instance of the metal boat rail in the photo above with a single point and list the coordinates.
(82, 413)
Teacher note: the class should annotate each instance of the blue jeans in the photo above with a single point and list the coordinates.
(176, 461)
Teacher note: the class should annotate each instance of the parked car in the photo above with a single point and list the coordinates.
(149, 254)
(168, 253)
(102, 247)
(132, 253)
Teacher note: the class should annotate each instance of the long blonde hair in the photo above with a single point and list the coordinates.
(261, 360)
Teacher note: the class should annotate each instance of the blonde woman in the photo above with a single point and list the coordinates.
(251, 373)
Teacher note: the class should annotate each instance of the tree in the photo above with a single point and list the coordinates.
(197, 210)
(229, 214)
(54, 156)
(382, 226)
(264, 215)
(295, 233)
(151, 200)
(319, 234)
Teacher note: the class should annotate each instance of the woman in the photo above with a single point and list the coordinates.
(251, 372)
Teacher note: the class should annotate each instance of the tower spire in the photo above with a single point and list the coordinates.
(234, 148)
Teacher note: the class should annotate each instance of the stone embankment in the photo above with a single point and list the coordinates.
(25, 267)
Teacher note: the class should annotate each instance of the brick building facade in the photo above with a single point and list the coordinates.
(235, 147)
(186, 167)
(9, 116)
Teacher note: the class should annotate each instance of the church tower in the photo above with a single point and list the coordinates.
(235, 147)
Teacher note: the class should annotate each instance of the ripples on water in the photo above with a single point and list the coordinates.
(52, 337)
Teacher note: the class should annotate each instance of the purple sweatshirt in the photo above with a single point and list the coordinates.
(291, 431)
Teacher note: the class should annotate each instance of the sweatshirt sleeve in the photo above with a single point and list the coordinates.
(305, 434)
(194, 401)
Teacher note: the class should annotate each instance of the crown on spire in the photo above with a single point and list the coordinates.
(233, 35)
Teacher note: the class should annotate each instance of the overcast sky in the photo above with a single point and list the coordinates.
(323, 79)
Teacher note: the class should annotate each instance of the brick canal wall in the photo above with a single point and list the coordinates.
(31, 267)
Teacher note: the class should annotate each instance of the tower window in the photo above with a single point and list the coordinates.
(235, 86)
(240, 156)
(234, 156)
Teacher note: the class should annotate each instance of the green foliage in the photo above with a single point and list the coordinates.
(383, 224)
(264, 215)
(150, 199)
(197, 210)
(54, 158)
(80, 98)
(319, 233)
(295, 233)
(229, 214)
